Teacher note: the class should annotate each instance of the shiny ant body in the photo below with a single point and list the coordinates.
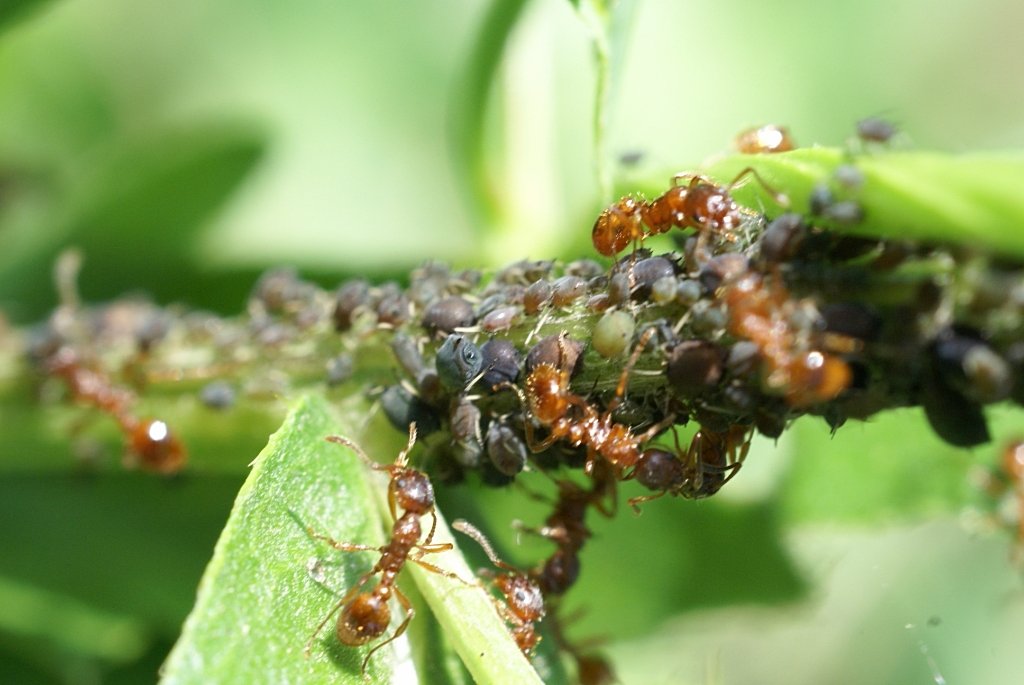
(524, 602)
(759, 311)
(148, 440)
(710, 461)
(572, 418)
(365, 614)
(767, 139)
(701, 204)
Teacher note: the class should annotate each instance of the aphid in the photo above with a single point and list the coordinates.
(523, 607)
(501, 361)
(149, 441)
(505, 449)
(366, 614)
(458, 362)
(447, 314)
(875, 130)
(612, 333)
(567, 290)
(464, 420)
(537, 296)
(217, 395)
(500, 319)
(351, 298)
(764, 139)
(694, 366)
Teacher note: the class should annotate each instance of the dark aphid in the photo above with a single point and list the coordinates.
(875, 130)
(500, 319)
(954, 418)
(394, 309)
(524, 272)
(404, 409)
(584, 268)
(505, 448)
(458, 362)
(565, 355)
(217, 395)
(973, 368)
(598, 303)
(566, 290)
(339, 369)
(153, 328)
(852, 319)
(646, 272)
(501, 361)
(464, 420)
(447, 314)
(537, 296)
(695, 366)
(664, 290)
(348, 301)
(821, 199)
(743, 359)
(278, 288)
(722, 268)
(618, 288)
(408, 355)
(781, 239)
(848, 176)
(764, 140)
(688, 291)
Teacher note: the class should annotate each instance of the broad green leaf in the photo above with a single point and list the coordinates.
(135, 216)
(13, 11)
(973, 200)
(270, 582)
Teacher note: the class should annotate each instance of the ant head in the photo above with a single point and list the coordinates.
(413, 491)
(156, 447)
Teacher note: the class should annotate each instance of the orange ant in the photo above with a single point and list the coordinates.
(1012, 468)
(524, 602)
(758, 311)
(549, 401)
(764, 140)
(365, 615)
(148, 439)
(710, 461)
(701, 204)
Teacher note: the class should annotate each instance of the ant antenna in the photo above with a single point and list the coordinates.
(467, 528)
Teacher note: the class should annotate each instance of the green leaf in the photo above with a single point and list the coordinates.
(973, 200)
(135, 216)
(259, 603)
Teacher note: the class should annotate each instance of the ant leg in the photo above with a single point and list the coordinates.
(409, 613)
(694, 178)
(440, 571)
(620, 389)
(780, 198)
(635, 502)
(349, 596)
(342, 546)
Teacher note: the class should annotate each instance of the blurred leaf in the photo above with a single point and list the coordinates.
(135, 217)
(126, 544)
(895, 467)
(974, 200)
(469, 110)
(13, 11)
(258, 602)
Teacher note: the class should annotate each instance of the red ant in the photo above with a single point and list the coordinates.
(710, 461)
(549, 400)
(524, 602)
(701, 204)
(148, 439)
(758, 311)
(365, 615)
(1012, 468)
(764, 140)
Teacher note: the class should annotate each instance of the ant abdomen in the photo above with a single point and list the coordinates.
(363, 619)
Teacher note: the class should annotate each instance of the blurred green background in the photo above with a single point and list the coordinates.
(185, 147)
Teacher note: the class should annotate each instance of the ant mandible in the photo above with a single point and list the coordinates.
(549, 400)
(701, 204)
(365, 615)
(524, 602)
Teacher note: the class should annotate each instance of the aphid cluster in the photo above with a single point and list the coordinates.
(758, 317)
